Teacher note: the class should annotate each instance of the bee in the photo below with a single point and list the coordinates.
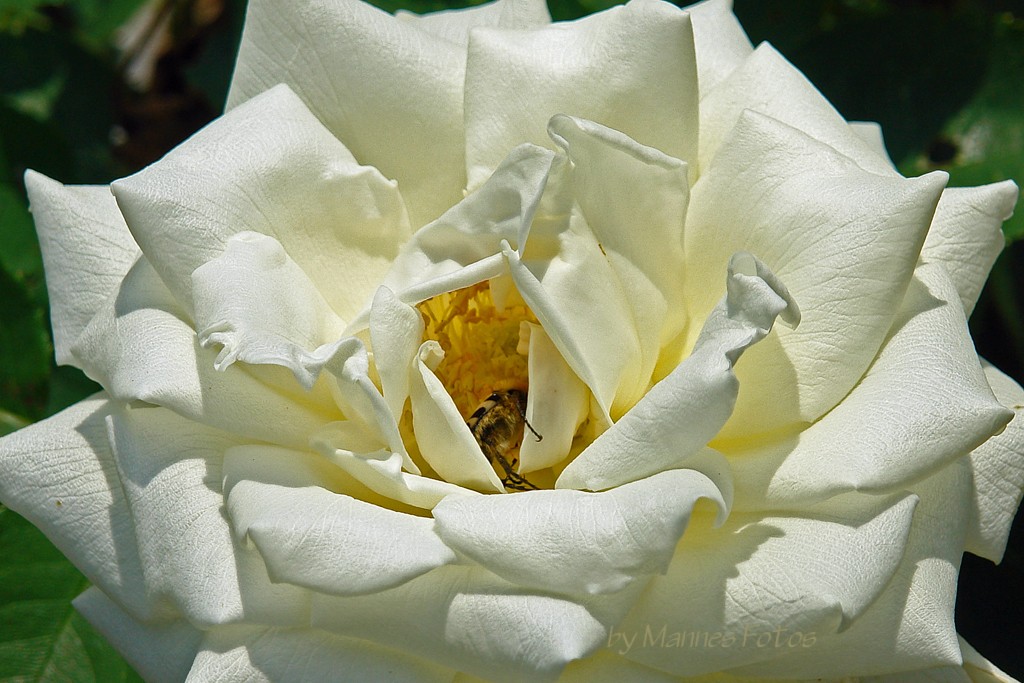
(498, 426)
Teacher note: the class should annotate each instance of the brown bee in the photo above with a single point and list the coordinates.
(498, 426)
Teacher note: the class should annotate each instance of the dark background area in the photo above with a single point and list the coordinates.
(945, 79)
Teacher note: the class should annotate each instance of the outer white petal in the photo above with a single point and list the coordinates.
(768, 84)
(997, 467)
(810, 573)
(844, 241)
(258, 305)
(979, 669)
(720, 42)
(910, 625)
(334, 543)
(575, 542)
(140, 347)
(86, 248)
(940, 674)
(265, 655)
(472, 621)
(160, 652)
(454, 25)
(388, 90)
(268, 166)
(871, 134)
(966, 234)
(606, 666)
(171, 473)
(923, 403)
(669, 426)
(61, 476)
(606, 64)
(634, 200)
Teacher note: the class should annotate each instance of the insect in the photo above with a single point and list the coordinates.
(498, 426)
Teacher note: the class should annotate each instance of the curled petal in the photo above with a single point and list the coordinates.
(87, 249)
(512, 91)
(845, 242)
(557, 404)
(396, 331)
(979, 669)
(140, 347)
(680, 414)
(257, 305)
(575, 542)
(719, 42)
(634, 200)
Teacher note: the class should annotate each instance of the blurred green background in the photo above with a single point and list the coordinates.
(90, 90)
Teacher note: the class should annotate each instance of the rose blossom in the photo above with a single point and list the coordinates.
(294, 313)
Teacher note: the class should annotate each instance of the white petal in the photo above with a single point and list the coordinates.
(160, 652)
(997, 467)
(334, 543)
(396, 331)
(680, 414)
(844, 241)
(86, 248)
(171, 473)
(910, 625)
(768, 84)
(258, 305)
(388, 90)
(606, 63)
(980, 669)
(362, 402)
(966, 234)
(454, 24)
(471, 232)
(443, 438)
(605, 667)
(381, 471)
(720, 42)
(807, 574)
(923, 403)
(141, 348)
(634, 200)
(870, 134)
(575, 542)
(266, 655)
(470, 620)
(268, 166)
(557, 404)
(61, 476)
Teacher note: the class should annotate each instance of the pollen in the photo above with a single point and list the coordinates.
(483, 343)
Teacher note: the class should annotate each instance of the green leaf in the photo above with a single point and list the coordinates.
(42, 638)
(984, 143)
(20, 255)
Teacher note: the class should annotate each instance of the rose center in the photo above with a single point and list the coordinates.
(482, 342)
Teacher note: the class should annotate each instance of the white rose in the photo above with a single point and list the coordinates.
(295, 312)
